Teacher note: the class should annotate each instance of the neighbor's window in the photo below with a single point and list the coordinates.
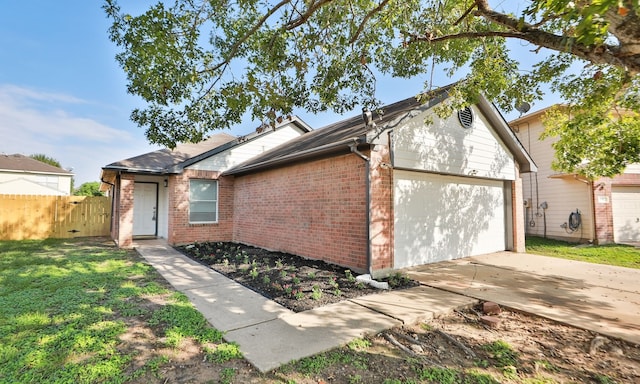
(203, 201)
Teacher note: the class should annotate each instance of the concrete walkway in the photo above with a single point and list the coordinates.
(590, 296)
(269, 334)
(601, 298)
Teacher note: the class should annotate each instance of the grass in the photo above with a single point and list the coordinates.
(66, 304)
(610, 254)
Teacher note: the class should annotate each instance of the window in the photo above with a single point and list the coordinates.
(203, 201)
(48, 181)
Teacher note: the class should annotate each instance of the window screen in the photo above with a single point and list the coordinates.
(203, 201)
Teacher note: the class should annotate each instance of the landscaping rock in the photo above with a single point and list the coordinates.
(491, 308)
(490, 321)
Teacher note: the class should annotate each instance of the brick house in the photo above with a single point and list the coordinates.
(570, 207)
(372, 194)
(179, 194)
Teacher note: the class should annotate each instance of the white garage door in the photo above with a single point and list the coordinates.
(625, 203)
(441, 218)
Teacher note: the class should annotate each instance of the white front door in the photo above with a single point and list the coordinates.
(145, 206)
(625, 204)
(439, 218)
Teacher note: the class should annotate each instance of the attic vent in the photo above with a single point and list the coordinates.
(465, 116)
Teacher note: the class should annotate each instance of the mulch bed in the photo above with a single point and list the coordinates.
(296, 283)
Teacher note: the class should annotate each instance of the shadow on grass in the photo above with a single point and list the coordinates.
(67, 303)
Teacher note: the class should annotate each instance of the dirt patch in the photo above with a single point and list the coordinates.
(296, 283)
(456, 348)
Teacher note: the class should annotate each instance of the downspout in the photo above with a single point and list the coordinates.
(354, 149)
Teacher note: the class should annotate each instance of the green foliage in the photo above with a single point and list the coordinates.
(316, 292)
(46, 159)
(473, 377)
(223, 352)
(610, 254)
(181, 320)
(88, 189)
(440, 375)
(227, 375)
(604, 379)
(359, 344)
(398, 279)
(183, 60)
(502, 353)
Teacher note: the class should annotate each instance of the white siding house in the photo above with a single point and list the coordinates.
(22, 175)
(570, 207)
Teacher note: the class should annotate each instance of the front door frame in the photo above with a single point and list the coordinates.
(155, 219)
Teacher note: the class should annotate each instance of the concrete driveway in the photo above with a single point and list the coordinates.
(596, 297)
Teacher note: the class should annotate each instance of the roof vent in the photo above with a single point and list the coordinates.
(465, 116)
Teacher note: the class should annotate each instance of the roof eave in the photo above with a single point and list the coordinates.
(37, 172)
(137, 170)
(326, 150)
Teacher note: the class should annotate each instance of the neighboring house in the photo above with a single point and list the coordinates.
(373, 197)
(570, 207)
(22, 175)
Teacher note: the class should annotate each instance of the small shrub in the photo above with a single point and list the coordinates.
(316, 293)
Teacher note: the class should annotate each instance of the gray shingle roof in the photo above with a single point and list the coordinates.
(164, 160)
(22, 163)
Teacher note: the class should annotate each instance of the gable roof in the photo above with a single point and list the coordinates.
(167, 161)
(335, 139)
(25, 164)
(164, 160)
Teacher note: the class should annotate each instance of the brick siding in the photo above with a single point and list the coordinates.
(125, 208)
(604, 210)
(314, 209)
(180, 230)
(381, 209)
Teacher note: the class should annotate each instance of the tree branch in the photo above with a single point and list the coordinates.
(604, 54)
(366, 18)
(236, 46)
(463, 35)
(305, 16)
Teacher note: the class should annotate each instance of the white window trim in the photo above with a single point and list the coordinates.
(216, 201)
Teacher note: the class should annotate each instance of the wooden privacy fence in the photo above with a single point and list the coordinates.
(41, 217)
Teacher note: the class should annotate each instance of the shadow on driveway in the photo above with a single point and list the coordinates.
(595, 297)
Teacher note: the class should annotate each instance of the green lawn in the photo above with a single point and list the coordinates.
(82, 311)
(65, 306)
(613, 254)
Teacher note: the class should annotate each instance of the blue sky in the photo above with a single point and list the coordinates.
(63, 94)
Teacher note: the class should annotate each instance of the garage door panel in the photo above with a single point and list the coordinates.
(443, 218)
(626, 214)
